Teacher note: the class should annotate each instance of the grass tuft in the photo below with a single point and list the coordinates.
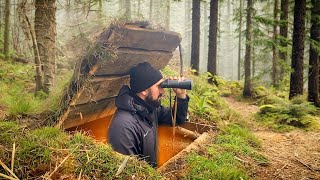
(221, 160)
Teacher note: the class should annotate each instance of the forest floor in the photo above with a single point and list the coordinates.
(291, 155)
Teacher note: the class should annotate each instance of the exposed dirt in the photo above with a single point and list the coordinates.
(292, 155)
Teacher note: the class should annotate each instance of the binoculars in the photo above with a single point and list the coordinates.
(186, 84)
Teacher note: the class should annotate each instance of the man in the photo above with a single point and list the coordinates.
(133, 130)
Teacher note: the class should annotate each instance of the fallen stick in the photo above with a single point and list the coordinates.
(8, 177)
(306, 165)
(186, 132)
(57, 167)
(6, 168)
(122, 166)
(12, 156)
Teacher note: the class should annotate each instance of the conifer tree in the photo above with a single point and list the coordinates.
(296, 78)
(314, 65)
(45, 30)
(195, 44)
(247, 60)
(213, 30)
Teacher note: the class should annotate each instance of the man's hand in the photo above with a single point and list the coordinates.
(180, 93)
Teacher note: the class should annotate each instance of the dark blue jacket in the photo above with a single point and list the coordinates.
(133, 130)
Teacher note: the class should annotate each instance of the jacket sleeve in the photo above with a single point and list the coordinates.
(164, 114)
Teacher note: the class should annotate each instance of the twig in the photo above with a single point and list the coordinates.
(306, 165)
(8, 177)
(7, 169)
(278, 171)
(122, 166)
(79, 177)
(57, 167)
(12, 156)
(243, 161)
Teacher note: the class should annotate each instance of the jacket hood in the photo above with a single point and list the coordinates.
(126, 102)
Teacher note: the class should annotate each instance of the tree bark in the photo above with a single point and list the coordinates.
(30, 34)
(239, 40)
(283, 54)
(296, 78)
(195, 45)
(313, 80)
(205, 33)
(274, 49)
(247, 59)
(6, 34)
(45, 29)
(213, 30)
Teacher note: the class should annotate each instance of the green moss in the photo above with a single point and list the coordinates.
(40, 150)
(223, 166)
(220, 160)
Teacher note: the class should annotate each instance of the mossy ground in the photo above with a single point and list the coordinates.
(39, 152)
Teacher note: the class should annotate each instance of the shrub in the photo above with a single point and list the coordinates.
(296, 113)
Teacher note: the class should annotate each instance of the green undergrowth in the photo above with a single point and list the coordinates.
(287, 115)
(38, 152)
(17, 90)
(226, 158)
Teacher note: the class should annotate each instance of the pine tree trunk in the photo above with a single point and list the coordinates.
(274, 49)
(247, 59)
(253, 60)
(187, 32)
(283, 55)
(168, 14)
(314, 65)
(239, 42)
(45, 28)
(6, 34)
(213, 30)
(205, 31)
(195, 45)
(296, 78)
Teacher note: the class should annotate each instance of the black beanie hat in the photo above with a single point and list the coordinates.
(143, 76)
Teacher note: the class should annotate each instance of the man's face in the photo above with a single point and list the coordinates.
(155, 94)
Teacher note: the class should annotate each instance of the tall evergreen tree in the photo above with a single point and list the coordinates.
(247, 59)
(45, 30)
(274, 49)
(213, 30)
(195, 44)
(6, 34)
(314, 65)
(283, 53)
(296, 78)
(240, 37)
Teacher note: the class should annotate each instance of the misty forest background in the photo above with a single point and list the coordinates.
(258, 57)
(264, 42)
